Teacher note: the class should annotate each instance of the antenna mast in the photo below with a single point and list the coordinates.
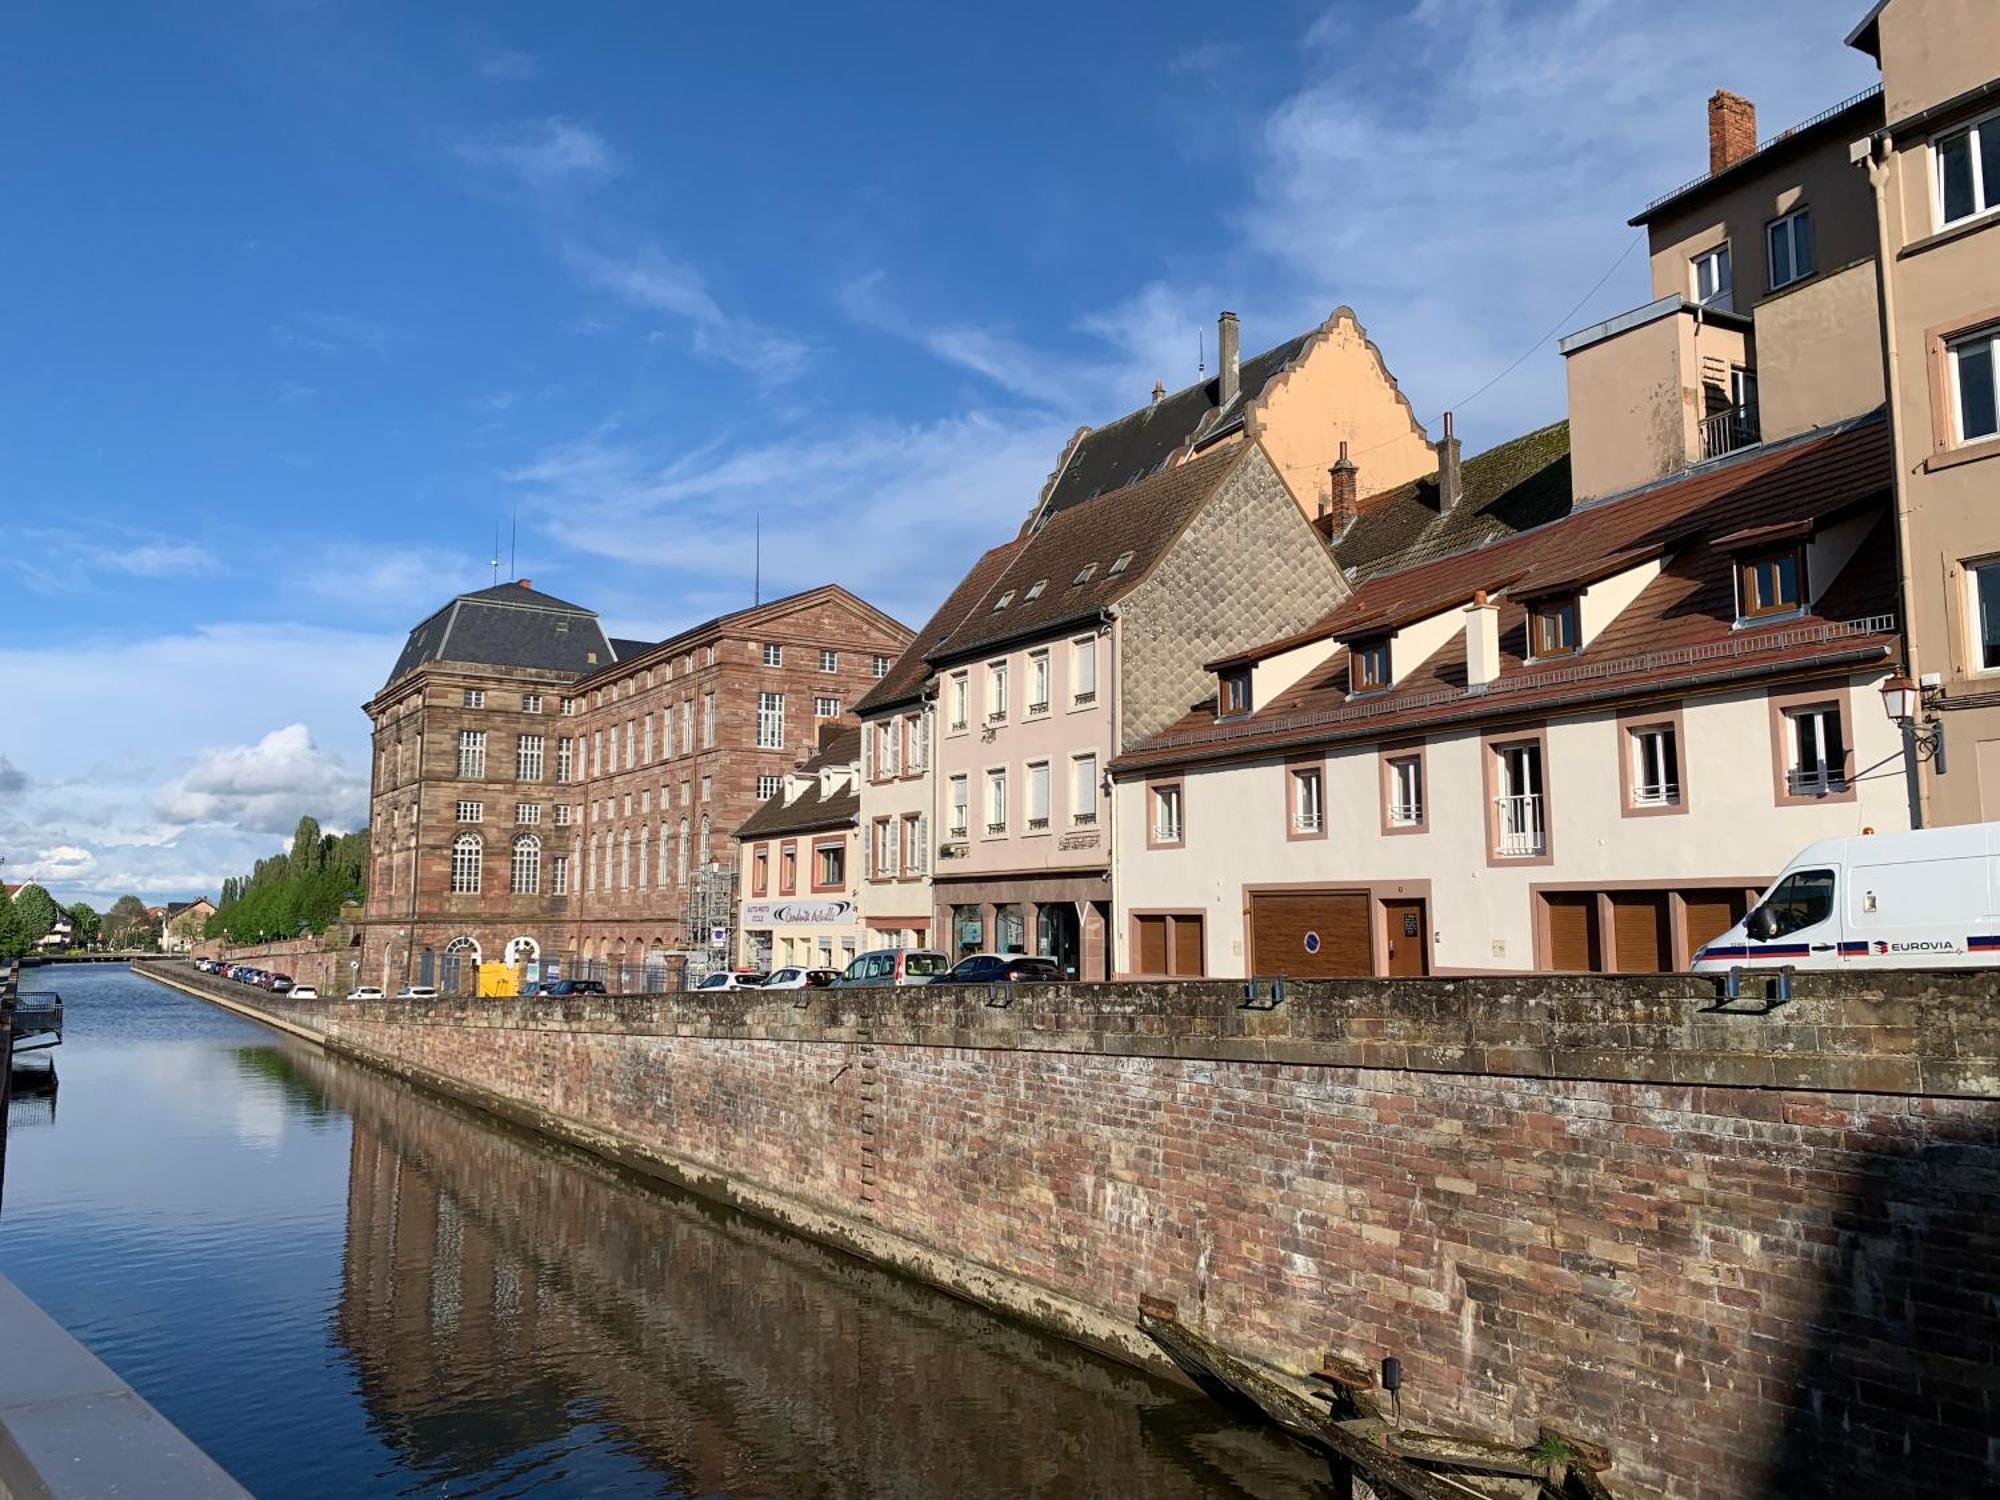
(496, 550)
(757, 562)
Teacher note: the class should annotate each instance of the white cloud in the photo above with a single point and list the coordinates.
(399, 585)
(547, 155)
(65, 863)
(650, 280)
(267, 786)
(60, 562)
(13, 780)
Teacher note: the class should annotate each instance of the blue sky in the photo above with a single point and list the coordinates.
(305, 295)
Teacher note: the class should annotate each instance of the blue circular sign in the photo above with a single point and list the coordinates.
(1312, 942)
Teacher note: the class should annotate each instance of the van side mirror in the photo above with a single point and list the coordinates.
(1762, 924)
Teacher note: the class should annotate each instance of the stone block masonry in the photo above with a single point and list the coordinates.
(1753, 1255)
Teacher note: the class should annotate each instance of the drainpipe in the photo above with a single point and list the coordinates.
(1110, 618)
(1880, 150)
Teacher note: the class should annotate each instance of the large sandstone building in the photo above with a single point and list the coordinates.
(546, 795)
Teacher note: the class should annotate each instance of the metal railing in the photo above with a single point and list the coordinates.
(1730, 431)
(1522, 833)
(1405, 814)
(1817, 783)
(1655, 794)
(1826, 114)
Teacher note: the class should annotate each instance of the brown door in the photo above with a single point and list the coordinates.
(1152, 944)
(1409, 938)
(1643, 944)
(1310, 934)
(1573, 940)
(1187, 947)
(1708, 915)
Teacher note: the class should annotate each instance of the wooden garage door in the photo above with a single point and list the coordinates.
(1310, 934)
(1573, 940)
(1709, 914)
(1643, 944)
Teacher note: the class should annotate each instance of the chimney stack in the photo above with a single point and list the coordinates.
(1732, 129)
(1449, 488)
(526, 583)
(1482, 641)
(1227, 379)
(1159, 392)
(1340, 503)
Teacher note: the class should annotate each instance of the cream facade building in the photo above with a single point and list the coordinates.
(797, 857)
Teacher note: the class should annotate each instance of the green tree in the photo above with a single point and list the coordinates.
(308, 852)
(35, 912)
(89, 926)
(126, 924)
(12, 943)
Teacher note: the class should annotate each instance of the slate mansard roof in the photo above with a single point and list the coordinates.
(508, 625)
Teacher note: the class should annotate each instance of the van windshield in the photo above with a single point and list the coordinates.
(1802, 899)
(924, 965)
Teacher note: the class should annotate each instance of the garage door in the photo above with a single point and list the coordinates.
(1310, 934)
(1573, 941)
(1644, 944)
(1709, 914)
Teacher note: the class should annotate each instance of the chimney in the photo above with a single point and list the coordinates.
(1340, 506)
(1732, 129)
(1159, 392)
(526, 583)
(1449, 488)
(1482, 641)
(1227, 379)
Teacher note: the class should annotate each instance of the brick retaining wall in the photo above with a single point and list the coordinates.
(1754, 1255)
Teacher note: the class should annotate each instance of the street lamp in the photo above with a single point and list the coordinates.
(1902, 701)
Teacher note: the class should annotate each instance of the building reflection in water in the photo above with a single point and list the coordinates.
(509, 1304)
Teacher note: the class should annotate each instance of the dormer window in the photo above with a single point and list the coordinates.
(1553, 629)
(1035, 590)
(1368, 666)
(1770, 582)
(1235, 695)
(1089, 572)
(1119, 564)
(1003, 601)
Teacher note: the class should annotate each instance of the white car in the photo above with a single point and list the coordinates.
(729, 979)
(365, 992)
(304, 992)
(792, 977)
(417, 992)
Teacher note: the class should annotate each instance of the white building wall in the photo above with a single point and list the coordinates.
(1481, 914)
(905, 901)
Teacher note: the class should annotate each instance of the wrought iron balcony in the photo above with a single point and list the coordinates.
(1523, 834)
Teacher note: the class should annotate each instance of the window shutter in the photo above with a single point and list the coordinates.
(868, 852)
(920, 846)
(868, 752)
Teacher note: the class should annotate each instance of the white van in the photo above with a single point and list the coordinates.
(1923, 900)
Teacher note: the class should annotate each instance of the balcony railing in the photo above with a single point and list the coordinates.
(1655, 794)
(1730, 430)
(1085, 820)
(1405, 814)
(1821, 782)
(1522, 833)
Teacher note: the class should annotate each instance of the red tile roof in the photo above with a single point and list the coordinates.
(1681, 629)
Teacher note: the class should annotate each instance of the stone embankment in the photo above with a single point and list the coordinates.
(1751, 1252)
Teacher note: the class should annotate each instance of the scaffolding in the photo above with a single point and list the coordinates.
(709, 931)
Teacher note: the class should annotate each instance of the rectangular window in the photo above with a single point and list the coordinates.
(1167, 946)
(829, 661)
(527, 812)
(916, 729)
(996, 691)
(760, 871)
(475, 697)
(1406, 791)
(1555, 631)
(830, 866)
(569, 708)
(1368, 667)
(528, 758)
(631, 742)
(1983, 580)
(708, 722)
(1769, 583)
(879, 666)
(646, 740)
(767, 787)
(886, 867)
(826, 708)
(564, 815)
(1968, 171)
(1973, 361)
(531, 703)
(471, 754)
(996, 801)
(687, 725)
(1038, 796)
(960, 799)
(1791, 244)
(960, 699)
(1165, 826)
(1711, 277)
(559, 875)
(1083, 670)
(1522, 821)
(1818, 753)
(472, 812)
(1038, 682)
(788, 871)
(1083, 791)
(774, 656)
(912, 844)
(707, 784)
(1308, 789)
(596, 751)
(1656, 766)
(1235, 693)
(565, 759)
(889, 748)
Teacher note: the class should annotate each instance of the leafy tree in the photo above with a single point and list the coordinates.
(12, 941)
(35, 912)
(294, 893)
(308, 853)
(88, 925)
(126, 924)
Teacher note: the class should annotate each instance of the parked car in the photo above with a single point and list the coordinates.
(277, 984)
(365, 992)
(305, 992)
(417, 992)
(1001, 968)
(570, 987)
(894, 966)
(731, 979)
(792, 977)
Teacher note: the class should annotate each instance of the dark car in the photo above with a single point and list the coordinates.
(570, 987)
(1001, 968)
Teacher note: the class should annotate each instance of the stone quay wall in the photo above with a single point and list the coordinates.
(1752, 1254)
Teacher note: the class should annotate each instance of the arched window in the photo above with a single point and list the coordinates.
(524, 950)
(468, 854)
(463, 947)
(683, 865)
(625, 859)
(704, 839)
(527, 865)
(645, 842)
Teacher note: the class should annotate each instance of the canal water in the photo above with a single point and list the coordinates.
(340, 1286)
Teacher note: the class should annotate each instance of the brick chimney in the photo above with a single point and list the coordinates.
(1159, 392)
(526, 583)
(1340, 503)
(1732, 129)
(1449, 485)
(1228, 380)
